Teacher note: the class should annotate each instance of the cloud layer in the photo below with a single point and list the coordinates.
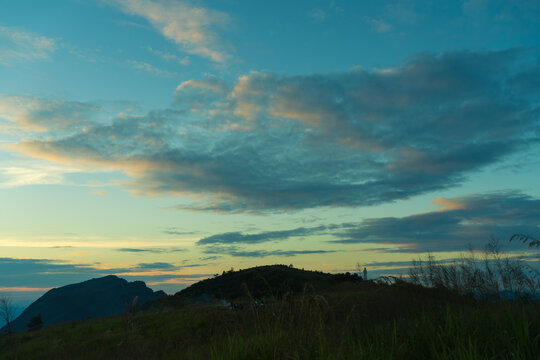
(468, 220)
(461, 222)
(276, 143)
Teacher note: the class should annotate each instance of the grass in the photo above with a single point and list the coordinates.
(491, 275)
(353, 321)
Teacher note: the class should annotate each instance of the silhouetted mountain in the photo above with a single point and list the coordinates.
(109, 295)
(260, 282)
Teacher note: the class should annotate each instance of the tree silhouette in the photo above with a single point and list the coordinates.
(6, 311)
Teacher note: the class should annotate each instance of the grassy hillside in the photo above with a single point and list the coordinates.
(347, 320)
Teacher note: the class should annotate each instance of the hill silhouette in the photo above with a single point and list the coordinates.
(262, 282)
(109, 295)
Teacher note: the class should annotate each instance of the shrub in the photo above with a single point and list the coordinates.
(35, 323)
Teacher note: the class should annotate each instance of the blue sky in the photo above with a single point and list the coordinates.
(170, 140)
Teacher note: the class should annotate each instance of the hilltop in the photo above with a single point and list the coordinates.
(262, 282)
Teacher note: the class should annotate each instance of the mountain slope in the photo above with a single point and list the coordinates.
(109, 295)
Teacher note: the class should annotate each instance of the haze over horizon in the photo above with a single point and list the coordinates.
(167, 141)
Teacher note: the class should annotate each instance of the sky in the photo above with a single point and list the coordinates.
(170, 140)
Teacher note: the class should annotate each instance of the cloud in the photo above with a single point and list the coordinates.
(234, 251)
(209, 258)
(163, 266)
(151, 250)
(200, 96)
(190, 26)
(266, 236)
(170, 57)
(460, 222)
(176, 231)
(139, 65)
(473, 222)
(281, 143)
(379, 25)
(211, 84)
(32, 174)
(388, 264)
(19, 45)
(317, 15)
(135, 250)
(43, 115)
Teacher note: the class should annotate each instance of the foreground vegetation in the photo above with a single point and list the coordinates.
(355, 320)
(470, 308)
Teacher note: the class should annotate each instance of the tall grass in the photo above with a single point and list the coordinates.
(399, 321)
(491, 274)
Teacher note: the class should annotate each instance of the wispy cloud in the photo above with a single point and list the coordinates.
(235, 251)
(151, 250)
(170, 57)
(190, 26)
(42, 115)
(379, 25)
(209, 258)
(19, 45)
(140, 65)
(32, 174)
(317, 15)
(162, 266)
(266, 236)
(176, 231)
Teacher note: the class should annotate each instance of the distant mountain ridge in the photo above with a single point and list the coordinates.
(100, 297)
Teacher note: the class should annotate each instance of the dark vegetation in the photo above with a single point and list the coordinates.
(35, 323)
(288, 313)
